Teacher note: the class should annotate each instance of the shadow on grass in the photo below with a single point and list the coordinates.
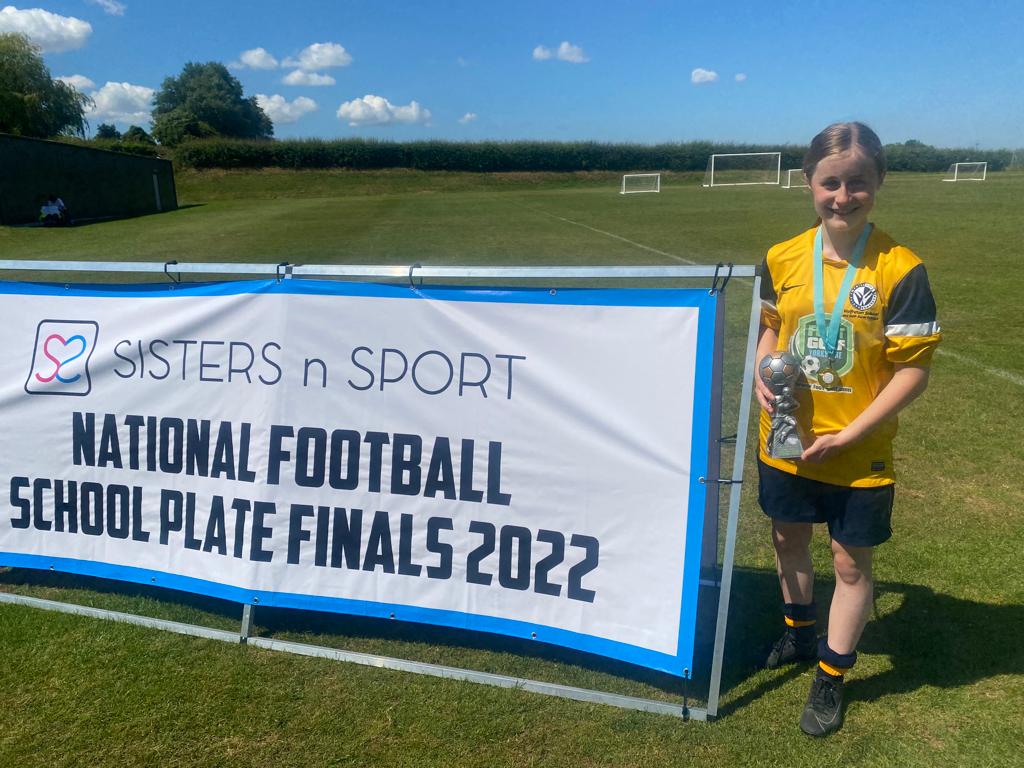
(931, 639)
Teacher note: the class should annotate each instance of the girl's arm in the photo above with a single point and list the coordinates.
(767, 342)
(908, 381)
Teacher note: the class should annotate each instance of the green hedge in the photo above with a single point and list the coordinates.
(116, 145)
(497, 156)
(482, 156)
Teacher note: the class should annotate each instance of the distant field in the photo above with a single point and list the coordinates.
(941, 676)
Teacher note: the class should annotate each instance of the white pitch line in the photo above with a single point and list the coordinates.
(1001, 373)
(620, 237)
(629, 242)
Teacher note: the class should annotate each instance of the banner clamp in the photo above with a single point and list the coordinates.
(412, 268)
(167, 272)
(721, 481)
(715, 287)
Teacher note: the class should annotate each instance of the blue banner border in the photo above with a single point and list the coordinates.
(680, 663)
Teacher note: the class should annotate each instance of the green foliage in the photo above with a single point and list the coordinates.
(107, 131)
(913, 155)
(531, 156)
(137, 135)
(116, 145)
(206, 100)
(32, 103)
(482, 157)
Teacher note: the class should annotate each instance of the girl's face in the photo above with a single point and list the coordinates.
(844, 188)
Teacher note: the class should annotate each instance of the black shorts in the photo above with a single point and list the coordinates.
(857, 517)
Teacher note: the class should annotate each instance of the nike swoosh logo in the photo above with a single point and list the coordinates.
(784, 288)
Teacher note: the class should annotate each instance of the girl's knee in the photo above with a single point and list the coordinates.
(852, 564)
(791, 537)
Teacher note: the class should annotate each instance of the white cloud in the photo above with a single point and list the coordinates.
(741, 77)
(52, 33)
(255, 58)
(78, 82)
(469, 117)
(700, 75)
(572, 53)
(298, 77)
(122, 103)
(110, 7)
(280, 110)
(565, 52)
(376, 110)
(320, 56)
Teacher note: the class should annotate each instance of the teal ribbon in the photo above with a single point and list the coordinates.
(828, 329)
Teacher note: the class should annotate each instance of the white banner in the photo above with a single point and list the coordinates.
(523, 462)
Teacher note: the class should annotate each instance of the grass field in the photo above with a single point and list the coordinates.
(941, 675)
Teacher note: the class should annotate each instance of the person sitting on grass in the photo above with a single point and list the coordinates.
(53, 212)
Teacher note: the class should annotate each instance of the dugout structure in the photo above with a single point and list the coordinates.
(712, 564)
(95, 184)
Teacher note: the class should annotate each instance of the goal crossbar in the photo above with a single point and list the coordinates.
(770, 169)
(967, 171)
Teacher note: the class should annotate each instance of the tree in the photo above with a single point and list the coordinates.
(32, 103)
(136, 135)
(206, 100)
(107, 131)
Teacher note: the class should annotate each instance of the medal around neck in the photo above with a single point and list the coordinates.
(828, 378)
(828, 327)
(779, 371)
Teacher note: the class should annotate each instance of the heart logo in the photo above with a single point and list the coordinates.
(60, 352)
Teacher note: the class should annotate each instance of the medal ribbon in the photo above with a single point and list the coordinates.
(828, 329)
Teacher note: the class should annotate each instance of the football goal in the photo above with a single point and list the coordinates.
(743, 168)
(966, 172)
(794, 178)
(640, 182)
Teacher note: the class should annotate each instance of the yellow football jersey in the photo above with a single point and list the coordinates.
(889, 318)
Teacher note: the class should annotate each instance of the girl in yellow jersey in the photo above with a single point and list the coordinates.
(856, 308)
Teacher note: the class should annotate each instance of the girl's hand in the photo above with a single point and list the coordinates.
(764, 395)
(824, 447)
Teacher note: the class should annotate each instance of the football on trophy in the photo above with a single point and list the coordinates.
(779, 369)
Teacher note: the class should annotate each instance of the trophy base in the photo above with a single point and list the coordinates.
(790, 448)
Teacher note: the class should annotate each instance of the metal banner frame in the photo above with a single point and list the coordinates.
(720, 275)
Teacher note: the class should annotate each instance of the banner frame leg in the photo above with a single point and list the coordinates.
(735, 490)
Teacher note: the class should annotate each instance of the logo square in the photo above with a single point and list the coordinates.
(60, 358)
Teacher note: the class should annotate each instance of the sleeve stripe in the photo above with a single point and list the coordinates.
(913, 329)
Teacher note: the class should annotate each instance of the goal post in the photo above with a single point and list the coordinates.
(794, 178)
(968, 171)
(738, 168)
(640, 182)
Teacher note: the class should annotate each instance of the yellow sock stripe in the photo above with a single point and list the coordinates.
(834, 671)
(795, 623)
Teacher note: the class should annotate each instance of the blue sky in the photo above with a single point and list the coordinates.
(946, 73)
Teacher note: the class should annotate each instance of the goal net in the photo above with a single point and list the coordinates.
(743, 168)
(966, 172)
(640, 182)
(794, 178)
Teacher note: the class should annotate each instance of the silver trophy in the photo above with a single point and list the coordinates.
(779, 371)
